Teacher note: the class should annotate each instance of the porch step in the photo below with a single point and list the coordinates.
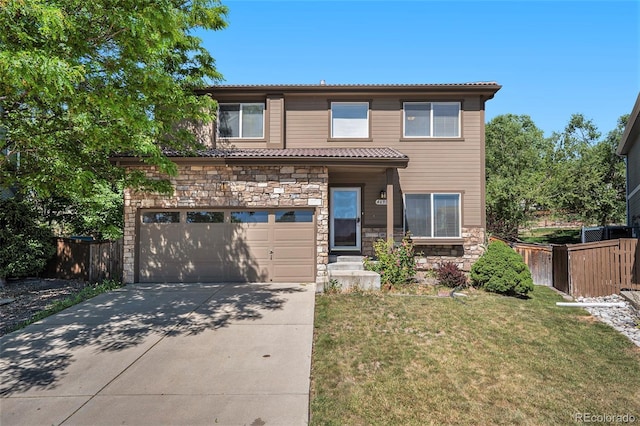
(365, 280)
(345, 266)
(350, 259)
(349, 272)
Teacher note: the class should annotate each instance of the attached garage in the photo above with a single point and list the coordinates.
(224, 245)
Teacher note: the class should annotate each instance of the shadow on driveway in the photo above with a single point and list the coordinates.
(37, 357)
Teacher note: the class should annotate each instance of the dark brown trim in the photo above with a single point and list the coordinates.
(631, 130)
(437, 241)
(272, 161)
(432, 140)
(486, 89)
(349, 140)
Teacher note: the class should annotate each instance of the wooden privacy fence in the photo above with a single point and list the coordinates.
(597, 269)
(91, 261)
(539, 258)
(590, 270)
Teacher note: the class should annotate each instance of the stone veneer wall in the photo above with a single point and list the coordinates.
(372, 234)
(235, 186)
(432, 255)
(464, 255)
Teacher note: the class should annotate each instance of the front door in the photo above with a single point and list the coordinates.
(344, 217)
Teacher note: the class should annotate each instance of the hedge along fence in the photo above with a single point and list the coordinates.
(589, 270)
(91, 261)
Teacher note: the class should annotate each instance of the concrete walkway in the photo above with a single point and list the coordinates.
(182, 354)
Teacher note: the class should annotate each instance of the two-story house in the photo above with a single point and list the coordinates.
(295, 173)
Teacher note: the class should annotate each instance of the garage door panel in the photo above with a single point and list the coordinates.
(288, 272)
(297, 253)
(231, 252)
(297, 235)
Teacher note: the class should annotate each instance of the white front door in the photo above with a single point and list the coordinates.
(344, 218)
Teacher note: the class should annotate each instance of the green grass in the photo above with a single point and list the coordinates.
(59, 305)
(551, 236)
(389, 359)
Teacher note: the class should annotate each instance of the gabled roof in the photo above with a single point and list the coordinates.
(631, 131)
(327, 156)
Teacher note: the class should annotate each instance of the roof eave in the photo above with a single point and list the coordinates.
(631, 131)
(327, 161)
(484, 89)
(274, 161)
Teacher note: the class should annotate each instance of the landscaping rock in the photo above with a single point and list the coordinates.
(626, 320)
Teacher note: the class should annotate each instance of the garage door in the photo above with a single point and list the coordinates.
(226, 246)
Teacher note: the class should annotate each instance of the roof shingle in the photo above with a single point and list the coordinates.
(383, 153)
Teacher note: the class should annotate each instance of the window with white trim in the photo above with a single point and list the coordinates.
(431, 119)
(432, 215)
(349, 119)
(241, 120)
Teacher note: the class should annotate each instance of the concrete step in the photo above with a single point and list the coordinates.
(364, 280)
(345, 266)
(350, 259)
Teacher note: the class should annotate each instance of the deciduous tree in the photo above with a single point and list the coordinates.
(589, 178)
(517, 155)
(80, 80)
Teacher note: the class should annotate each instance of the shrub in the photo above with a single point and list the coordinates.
(25, 245)
(395, 264)
(450, 275)
(502, 270)
(333, 287)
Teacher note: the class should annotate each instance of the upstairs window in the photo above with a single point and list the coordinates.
(432, 215)
(243, 120)
(349, 119)
(431, 119)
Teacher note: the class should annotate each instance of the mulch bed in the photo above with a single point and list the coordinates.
(23, 298)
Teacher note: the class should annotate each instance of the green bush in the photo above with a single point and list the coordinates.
(395, 264)
(25, 245)
(450, 275)
(502, 270)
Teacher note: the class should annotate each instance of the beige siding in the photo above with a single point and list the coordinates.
(371, 182)
(274, 126)
(437, 165)
(307, 122)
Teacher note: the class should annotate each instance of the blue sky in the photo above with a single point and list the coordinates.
(552, 58)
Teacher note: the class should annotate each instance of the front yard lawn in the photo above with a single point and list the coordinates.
(392, 359)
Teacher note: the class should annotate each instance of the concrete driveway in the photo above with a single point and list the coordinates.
(181, 354)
